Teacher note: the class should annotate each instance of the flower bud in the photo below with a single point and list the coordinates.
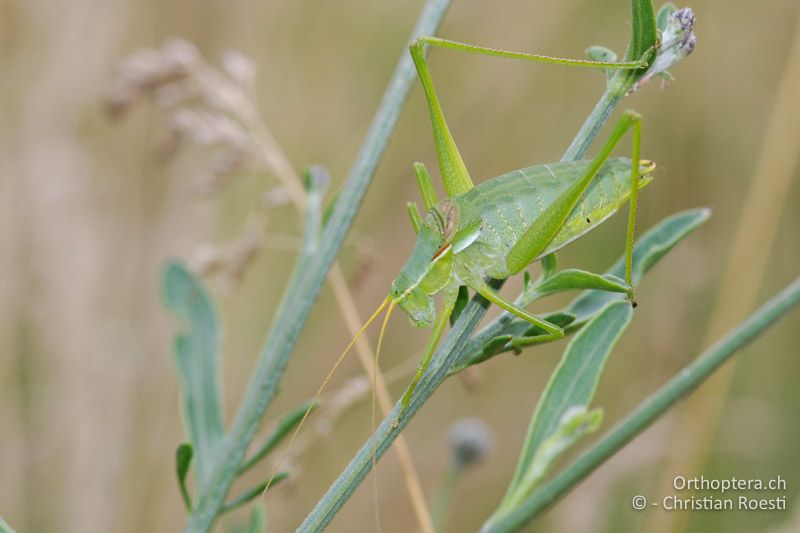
(471, 440)
(677, 41)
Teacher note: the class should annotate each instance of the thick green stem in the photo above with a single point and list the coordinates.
(307, 279)
(652, 408)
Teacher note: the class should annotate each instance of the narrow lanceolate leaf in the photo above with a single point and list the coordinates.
(601, 53)
(258, 520)
(196, 356)
(652, 408)
(649, 250)
(461, 303)
(559, 318)
(253, 492)
(574, 278)
(549, 264)
(286, 425)
(4, 527)
(510, 341)
(644, 35)
(183, 458)
(665, 12)
(571, 385)
(575, 424)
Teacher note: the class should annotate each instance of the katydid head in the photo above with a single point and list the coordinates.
(425, 273)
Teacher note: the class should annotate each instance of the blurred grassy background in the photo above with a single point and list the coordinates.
(88, 399)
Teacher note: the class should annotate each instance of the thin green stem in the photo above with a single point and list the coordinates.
(652, 408)
(591, 127)
(306, 281)
(444, 496)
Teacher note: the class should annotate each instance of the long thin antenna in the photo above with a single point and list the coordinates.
(374, 421)
(322, 387)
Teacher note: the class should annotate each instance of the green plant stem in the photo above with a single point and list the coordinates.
(393, 424)
(653, 407)
(308, 276)
(593, 124)
(444, 497)
(448, 354)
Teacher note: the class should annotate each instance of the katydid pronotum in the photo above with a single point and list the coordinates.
(499, 227)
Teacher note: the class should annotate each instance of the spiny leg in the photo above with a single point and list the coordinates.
(543, 230)
(454, 172)
(537, 58)
(552, 331)
(448, 303)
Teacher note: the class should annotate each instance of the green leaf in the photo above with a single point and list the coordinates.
(253, 492)
(560, 319)
(574, 278)
(196, 356)
(286, 425)
(601, 53)
(328, 210)
(665, 12)
(461, 302)
(651, 409)
(258, 519)
(493, 347)
(4, 527)
(183, 458)
(575, 423)
(572, 383)
(504, 343)
(549, 264)
(649, 249)
(644, 35)
(666, 76)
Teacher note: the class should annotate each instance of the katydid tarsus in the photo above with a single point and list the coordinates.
(497, 228)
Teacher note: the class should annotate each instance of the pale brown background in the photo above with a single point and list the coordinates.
(89, 415)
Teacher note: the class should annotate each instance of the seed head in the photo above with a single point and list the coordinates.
(471, 440)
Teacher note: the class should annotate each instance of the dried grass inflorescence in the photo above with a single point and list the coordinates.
(210, 107)
(215, 108)
(206, 105)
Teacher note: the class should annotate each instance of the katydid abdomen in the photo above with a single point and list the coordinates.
(508, 204)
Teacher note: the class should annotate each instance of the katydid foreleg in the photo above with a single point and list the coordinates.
(448, 303)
